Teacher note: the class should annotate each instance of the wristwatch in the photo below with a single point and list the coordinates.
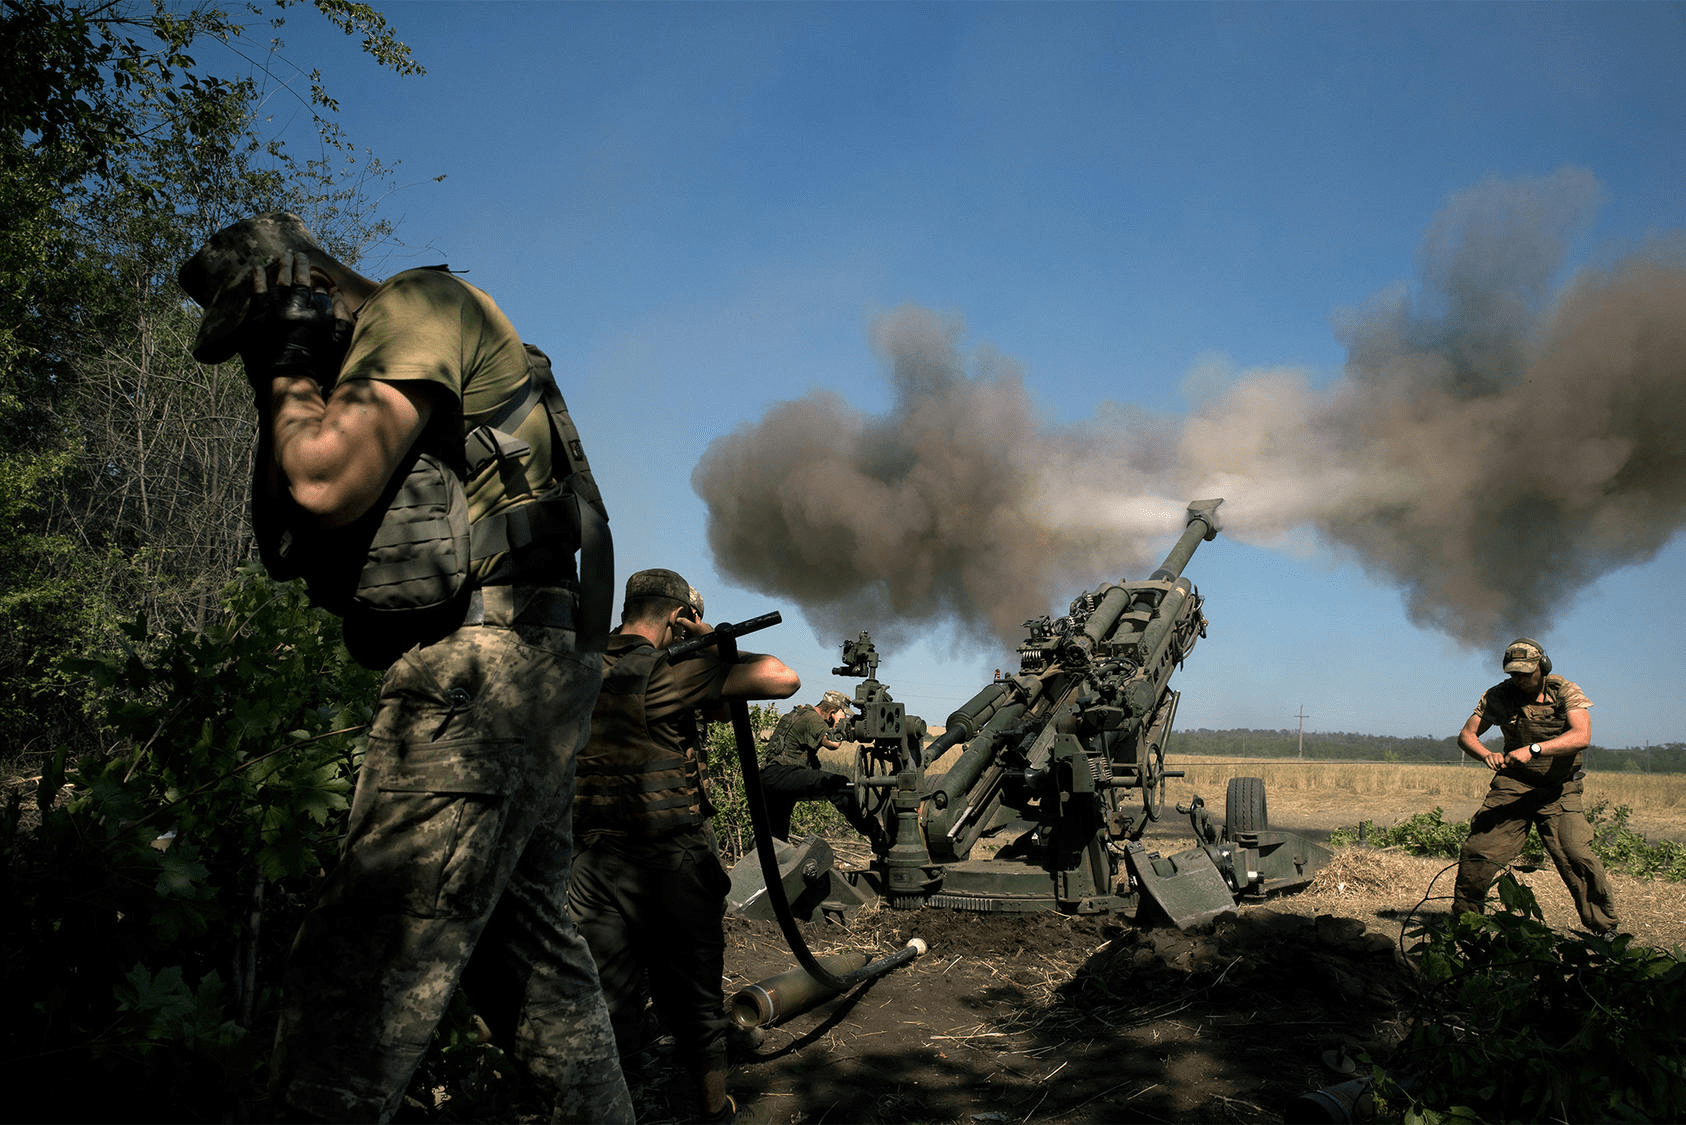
(1534, 749)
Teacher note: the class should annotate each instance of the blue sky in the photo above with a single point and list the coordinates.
(1120, 220)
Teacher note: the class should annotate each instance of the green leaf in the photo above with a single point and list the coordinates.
(179, 875)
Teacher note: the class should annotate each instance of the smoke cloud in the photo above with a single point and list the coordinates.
(1495, 443)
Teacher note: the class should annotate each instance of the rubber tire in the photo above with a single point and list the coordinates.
(1244, 806)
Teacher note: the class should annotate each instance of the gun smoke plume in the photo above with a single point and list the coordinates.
(1489, 449)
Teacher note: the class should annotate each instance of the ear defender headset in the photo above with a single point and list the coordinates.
(1545, 661)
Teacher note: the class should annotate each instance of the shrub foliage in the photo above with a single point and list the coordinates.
(150, 907)
(1517, 1022)
(1619, 846)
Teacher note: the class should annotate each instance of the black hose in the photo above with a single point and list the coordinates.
(725, 636)
(758, 819)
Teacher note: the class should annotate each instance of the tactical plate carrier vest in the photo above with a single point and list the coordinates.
(401, 575)
(635, 781)
(1525, 722)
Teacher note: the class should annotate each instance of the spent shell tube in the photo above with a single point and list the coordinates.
(794, 992)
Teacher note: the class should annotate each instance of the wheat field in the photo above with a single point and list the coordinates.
(1312, 794)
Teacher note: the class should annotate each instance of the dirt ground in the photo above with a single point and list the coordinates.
(1047, 1018)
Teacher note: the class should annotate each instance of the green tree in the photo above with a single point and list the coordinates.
(123, 464)
(184, 815)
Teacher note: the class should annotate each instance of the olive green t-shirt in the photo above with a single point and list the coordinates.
(796, 741)
(426, 325)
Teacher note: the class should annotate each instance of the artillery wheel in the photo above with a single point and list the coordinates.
(870, 799)
(1244, 806)
(1153, 782)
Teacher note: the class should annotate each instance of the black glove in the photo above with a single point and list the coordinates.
(292, 332)
(835, 783)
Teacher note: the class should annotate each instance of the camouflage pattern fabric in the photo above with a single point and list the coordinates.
(456, 857)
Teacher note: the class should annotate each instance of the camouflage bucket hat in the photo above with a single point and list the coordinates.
(1522, 656)
(219, 276)
(837, 699)
(659, 583)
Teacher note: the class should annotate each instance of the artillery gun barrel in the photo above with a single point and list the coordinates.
(981, 710)
(1120, 599)
(964, 723)
(1202, 526)
(1159, 630)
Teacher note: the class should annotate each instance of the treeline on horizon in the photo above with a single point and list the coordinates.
(1665, 757)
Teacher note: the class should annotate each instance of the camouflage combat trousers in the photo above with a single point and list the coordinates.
(458, 847)
(1499, 829)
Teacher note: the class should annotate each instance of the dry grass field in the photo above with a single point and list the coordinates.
(1318, 797)
(1311, 795)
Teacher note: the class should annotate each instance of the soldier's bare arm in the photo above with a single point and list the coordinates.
(755, 676)
(1469, 740)
(337, 454)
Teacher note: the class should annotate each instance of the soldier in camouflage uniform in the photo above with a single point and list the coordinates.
(791, 770)
(648, 889)
(459, 842)
(1536, 780)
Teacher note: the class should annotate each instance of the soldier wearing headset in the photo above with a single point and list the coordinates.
(1537, 779)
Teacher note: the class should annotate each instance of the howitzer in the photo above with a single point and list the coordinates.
(1063, 764)
(1067, 758)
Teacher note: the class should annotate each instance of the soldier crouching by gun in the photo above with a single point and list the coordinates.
(791, 770)
(458, 845)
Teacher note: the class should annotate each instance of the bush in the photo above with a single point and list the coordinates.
(1622, 849)
(151, 904)
(149, 911)
(1516, 1022)
(1424, 834)
(1618, 846)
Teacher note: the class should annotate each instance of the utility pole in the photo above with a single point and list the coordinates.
(1302, 732)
